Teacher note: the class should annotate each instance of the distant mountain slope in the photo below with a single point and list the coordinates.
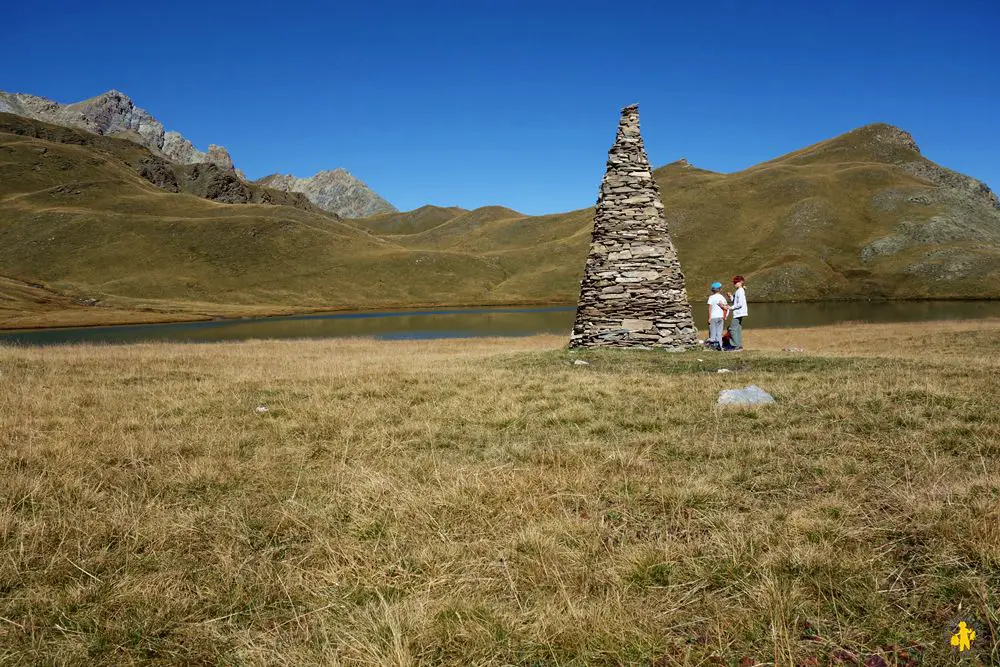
(453, 232)
(862, 215)
(85, 238)
(115, 114)
(85, 233)
(410, 222)
(336, 191)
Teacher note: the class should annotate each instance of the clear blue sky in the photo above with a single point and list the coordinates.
(515, 103)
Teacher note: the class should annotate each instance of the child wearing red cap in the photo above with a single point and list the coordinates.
(739, 301)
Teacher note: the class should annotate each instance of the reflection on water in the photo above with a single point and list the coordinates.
(474, 322)
(451, 323)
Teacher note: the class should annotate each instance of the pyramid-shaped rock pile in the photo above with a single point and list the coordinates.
(632, 293)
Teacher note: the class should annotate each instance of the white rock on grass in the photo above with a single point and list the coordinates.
(749, 395)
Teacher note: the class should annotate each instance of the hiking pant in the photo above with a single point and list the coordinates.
(715, 330)
(736, 332)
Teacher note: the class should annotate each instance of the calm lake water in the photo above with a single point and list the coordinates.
(470, 322)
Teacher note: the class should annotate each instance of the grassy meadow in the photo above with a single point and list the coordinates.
(488, 502)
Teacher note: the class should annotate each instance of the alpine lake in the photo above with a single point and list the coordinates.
(484, 322)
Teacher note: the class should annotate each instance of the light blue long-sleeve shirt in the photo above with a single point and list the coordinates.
(739, 303)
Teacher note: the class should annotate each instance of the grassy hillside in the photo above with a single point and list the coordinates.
(79, 223)
(411, 222)
(863, 215)
(855, 216)
(859, 216)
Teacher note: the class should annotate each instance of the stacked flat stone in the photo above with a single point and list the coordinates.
(632, 293)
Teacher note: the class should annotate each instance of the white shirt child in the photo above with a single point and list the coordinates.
(716, 303)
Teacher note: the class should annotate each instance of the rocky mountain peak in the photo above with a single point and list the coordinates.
(332, 175)
(114, 113)
(333, 190)
(220, 156)
(892, 136)
(111, 96)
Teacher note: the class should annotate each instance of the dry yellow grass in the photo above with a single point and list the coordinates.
(488, 502)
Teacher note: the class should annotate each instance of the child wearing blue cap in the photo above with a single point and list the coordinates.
(717, 311)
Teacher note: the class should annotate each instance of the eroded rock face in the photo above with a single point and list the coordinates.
(946, 178)
(336, 191)
(159, 173)
(115, 114)
(210, 181)
(632, 293)
(177, 148)
(894, 136)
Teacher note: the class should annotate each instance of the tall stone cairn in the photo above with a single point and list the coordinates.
(632, 293)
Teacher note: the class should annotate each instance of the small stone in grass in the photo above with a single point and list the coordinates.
(260, 409)
(581, 362)
(749, 395)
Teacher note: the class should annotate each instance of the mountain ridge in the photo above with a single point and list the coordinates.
(202, 179)
(115, 114)
(859, 216)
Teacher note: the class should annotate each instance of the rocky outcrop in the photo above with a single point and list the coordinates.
(952, 180)
(211, 181)
(220, 156)
(632, 293)
(158, 172)
(115, 114)
(177, 148)
(112, 114)
(883, 134)
(336, 191)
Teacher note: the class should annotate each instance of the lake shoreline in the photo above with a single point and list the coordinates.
(121, 317)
